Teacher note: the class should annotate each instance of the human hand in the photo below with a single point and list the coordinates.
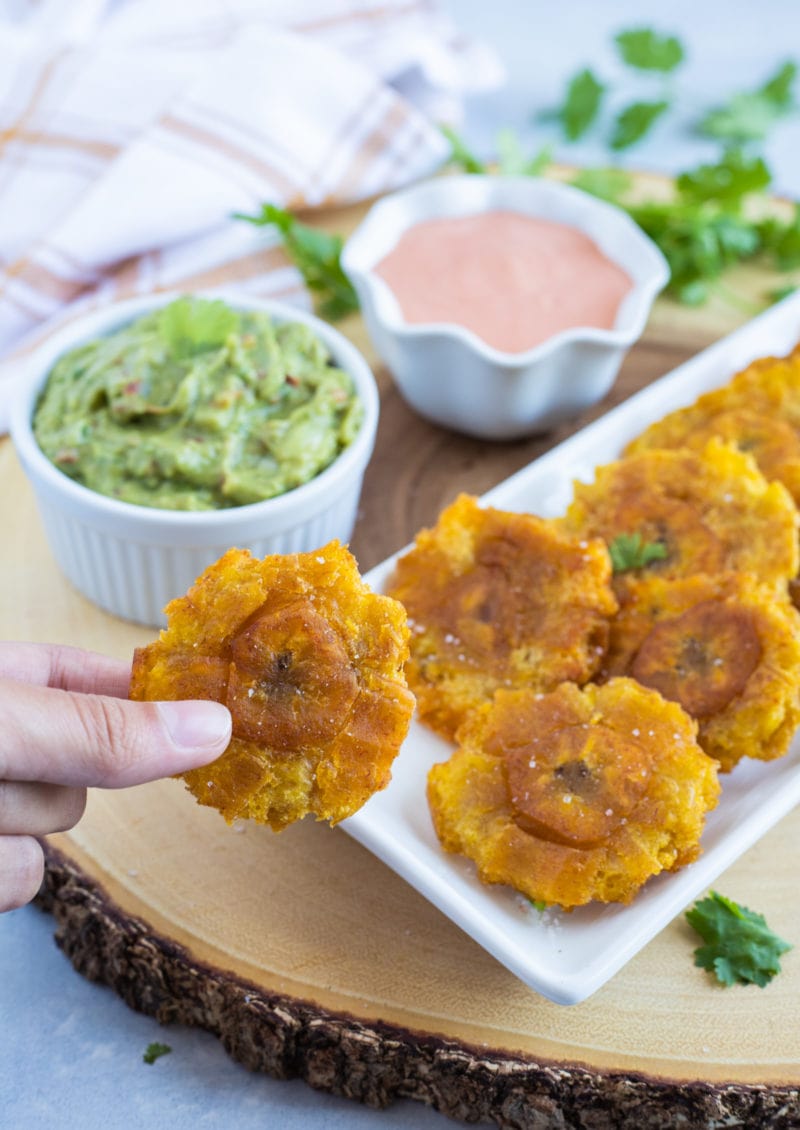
(67, 725)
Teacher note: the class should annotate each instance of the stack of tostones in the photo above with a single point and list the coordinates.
(498, 599)
(726, 649)
(571, 794)
(710, 511)
(310, 662)
(577, 794)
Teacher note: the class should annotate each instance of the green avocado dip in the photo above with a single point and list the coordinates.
(197, 406)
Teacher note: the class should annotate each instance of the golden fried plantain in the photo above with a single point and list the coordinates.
(576, 795)
(773, 443)
(498, 599)
(712, 511)
(725, 648)
(771, 386)
(310, 663)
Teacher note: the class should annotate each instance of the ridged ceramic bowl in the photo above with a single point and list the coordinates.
(131, 560)
(451, 376)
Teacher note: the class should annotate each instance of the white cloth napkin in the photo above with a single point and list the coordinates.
(131, 131)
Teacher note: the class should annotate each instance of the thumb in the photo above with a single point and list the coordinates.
(90, 740)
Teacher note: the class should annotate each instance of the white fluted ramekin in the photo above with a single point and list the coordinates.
(131, 560)
(444, 371)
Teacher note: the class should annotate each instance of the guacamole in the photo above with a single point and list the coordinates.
(197, 406)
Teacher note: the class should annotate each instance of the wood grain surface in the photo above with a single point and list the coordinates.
(308, 957)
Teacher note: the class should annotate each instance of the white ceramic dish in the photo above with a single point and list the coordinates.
(131, 560)
(567, 957)
(447, 373)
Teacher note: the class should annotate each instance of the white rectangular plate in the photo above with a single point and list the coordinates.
(567, 957)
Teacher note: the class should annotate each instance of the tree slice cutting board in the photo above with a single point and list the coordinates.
(308, 957)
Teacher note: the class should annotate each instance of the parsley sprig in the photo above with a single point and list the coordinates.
(750, 115)
(711, 223)
(643, 50)
(739, 946)
(581, 105)
(635, 121)
(631, 551)
(317, 255)
(155, 1051)
(646, 50)
(652, 57)
(192, 325)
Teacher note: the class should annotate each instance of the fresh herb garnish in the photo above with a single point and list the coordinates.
(634, 122)
(155, 1051)
(646, 50)
(749, 116)
(641, 49)
(609, 184)
(697, 245)
(740, 948)
(781, 238)
(781, 292)
(512, 161)
(538, 904)
(708, 226)
(316, 254)
(580, 106)
(727, 181)
(630, 551)
(193, 325)
(461, 154)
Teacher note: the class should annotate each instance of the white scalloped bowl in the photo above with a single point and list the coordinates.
(131, 560)
(444, 371)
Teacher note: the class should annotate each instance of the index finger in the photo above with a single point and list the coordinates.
(67, 668)
(96, 740)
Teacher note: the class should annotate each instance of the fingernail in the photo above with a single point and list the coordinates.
(196, 725)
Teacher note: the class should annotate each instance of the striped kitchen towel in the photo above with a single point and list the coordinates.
(131, 130)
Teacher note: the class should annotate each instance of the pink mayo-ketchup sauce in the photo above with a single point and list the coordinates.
(512, 279)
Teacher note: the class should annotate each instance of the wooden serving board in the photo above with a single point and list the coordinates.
(308, 957)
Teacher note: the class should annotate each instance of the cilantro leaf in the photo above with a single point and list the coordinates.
(155, 1051)
(581, 104)
(698, 243)
(512, 160)
(745, 118)
(646, 50)
(782, 239)
(609, 184)
(460, 154)
(740, 947)
(778, 89)
(704, 229)
(629, 551)
(634, 122)
(317, 255)
(193, 325)
(749, 116)
(733, 177)
(693, 293)
(781, 292)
